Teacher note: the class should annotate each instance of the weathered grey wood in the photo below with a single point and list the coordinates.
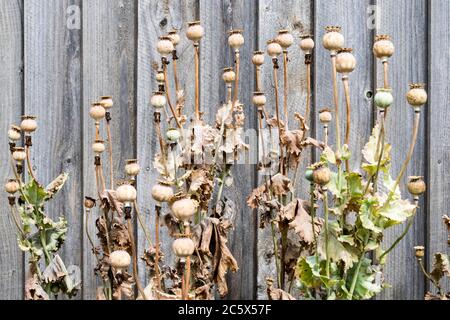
(11, 104)
(156, 19)
(406, 21)
(438, 137)
(218, 17)
(52, 82)
(296, 17)
(109, 62)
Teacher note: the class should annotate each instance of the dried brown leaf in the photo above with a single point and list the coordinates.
(280, 185)
(275, 293)
(33, 289)
(109, 201)
(302, 222)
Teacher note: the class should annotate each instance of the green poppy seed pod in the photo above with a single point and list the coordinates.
(195, 31)
(126, 193)
(345, 61)
(97, 111)
(12, 186)
(14, 133)
(183, 247)
(333, 40)
(419, 252)
(273, 49)
(28, 124)
(19, 154)
(309, 175)
(321, 175)
(174, 37)
(417, 96)
(236, 39)
(107, 102)
(307, 44)
(158, 100)
(416, 185)
(285, 39)
(132, 167)
(258, 58)
(383, 48)
(162, 192)
(173, 134)
(259, 99)
(384, 98)
(164, 46)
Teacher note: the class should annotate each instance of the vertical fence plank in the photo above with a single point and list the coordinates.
(438, 120)
(294, 16)
(406, 22)
(11, 86)
(109, 54)
(52, 82)
(218, 17)
(156, 19)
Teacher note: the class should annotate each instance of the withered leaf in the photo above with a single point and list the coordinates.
(292, 140)
(257, 195)
(440, 267)
(203, 292)
(273, 123)
(109, 200)
(302, 222)
(33, 289)
(275, 293)
(280, 185)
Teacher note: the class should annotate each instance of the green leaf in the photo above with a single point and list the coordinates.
(328, 156)
(345, 153)
(338, 252)
(355, 187)
(370, 154)
(367, 215)
(35, 193)
(396, 212)
(365, 287)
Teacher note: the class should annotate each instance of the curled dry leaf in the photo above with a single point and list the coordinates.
(275, 293)
(257, 196)
(441, 267)
(273, 122)
(302, 222)
(280, 185)
(33, 289)
(56, 185)
(292, 140)
(109, 201)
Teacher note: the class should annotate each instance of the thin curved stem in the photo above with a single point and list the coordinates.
(157, 271)
(313, 218)
(142, 224)
(175, 74)
(134, 253)
(286, 87)
(277, 110)
(400, 238)
(336, 101)
(236, 82)
(327, 253)
(16, 220)
(29, 166)
(358, 268)
(348, 115)
(86, 230)
(427, 275)
(110, 154)
(169, 101)
(308, 93)
(277, 258)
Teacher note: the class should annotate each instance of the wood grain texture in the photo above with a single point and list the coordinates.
(11, 105)
(109, 62)
(218, 17)
(156, 19)
(438, 137)
(52, 82)
(406, 21)
(296, 17)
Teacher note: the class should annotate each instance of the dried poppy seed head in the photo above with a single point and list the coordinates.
(98, 146)
(285, 39)
(89, 202)
(158, 100)
(195, 31)
(28, 124)
(236, 39)
(119, 260)
(321, 175)
(273, 49)
(259, 99)
(97, 111)
(12, 186)
(228, 75)
(183, 209)
(416, 185)
(174, 37)
(345, 61)
(183, 247)
(164, 46)
(307, 43)
(383, 48)
(162, 192)
(325, 116)
(107, 102)
(333, 40)
(417, 96)
(132, 167)
(19, 154)
(160, 76)
(14, 133)
(419, 251)
(258, 58)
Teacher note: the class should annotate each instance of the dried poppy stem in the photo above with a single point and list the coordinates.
(86, 230)
(429, 277)
(386, 73)
(110, 149)
(258, 78)
(348, 114)
(286, 86)
(142, 224)
(197, 80)
(379, 150)
(277, 110)
(157, 121)
(15, 219)
(157, 271)
(134, 254)
(325, 134)
(169, 101)
(326, 211)
(28, 145)
(175, 71)
(308, 90)
(336, 100)
(236, 82)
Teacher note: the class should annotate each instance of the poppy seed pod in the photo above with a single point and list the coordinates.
(273, 49)
(12, 186)
(195, 31)
(236, 39)
(89, 203)
(285, 39)
(384, 98)
(132, 168)
(419, 251)
(173, 134)
(259, 99)
(228, 75)
(19, 154)
(119, 259)
(333, 40)
(183, 247)
(164, 46)
(98, 146)
(258, 58)
(162, 192)
(416, 186)
(184, 208)
(97, 111)
(126, 193)
(345, 61)
(174, 37)
(158, 100)
(28, 124)
(309, 175)
(307, 44)
(160, 76)
(106, 102)
(383, 47)
(321, 175)
(325, 116)
(417, 96)
(14, 133)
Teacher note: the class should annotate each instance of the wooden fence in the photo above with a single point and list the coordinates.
(57, 56)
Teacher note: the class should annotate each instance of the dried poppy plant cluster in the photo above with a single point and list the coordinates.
(441, 268)
(38, 235)
(194, 164)
(341, 254)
